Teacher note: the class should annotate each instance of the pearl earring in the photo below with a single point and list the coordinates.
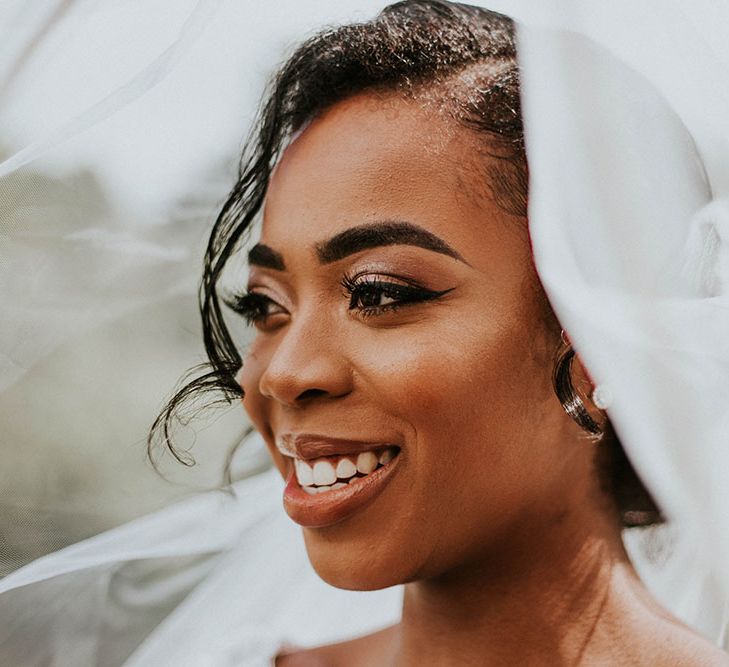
(602, 397)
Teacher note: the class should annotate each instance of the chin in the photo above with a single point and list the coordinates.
(350, 567)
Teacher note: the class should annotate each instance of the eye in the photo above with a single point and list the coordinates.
(372, 295)
(256, 308)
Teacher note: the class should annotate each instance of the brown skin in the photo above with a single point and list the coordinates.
(495, 520)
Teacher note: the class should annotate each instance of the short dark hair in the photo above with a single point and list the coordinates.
(463, 57)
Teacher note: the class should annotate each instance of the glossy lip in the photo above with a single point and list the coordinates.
(308, 446)
(326, 509)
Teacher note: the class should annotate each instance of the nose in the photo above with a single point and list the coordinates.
(308, 363)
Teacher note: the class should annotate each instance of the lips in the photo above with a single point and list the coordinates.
(324, 499)
(309, 446)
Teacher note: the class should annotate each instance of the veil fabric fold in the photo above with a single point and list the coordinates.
(628, 214)
(218, 579)
(626, 112)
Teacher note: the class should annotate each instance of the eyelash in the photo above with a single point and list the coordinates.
(359, 288)
(253, 306)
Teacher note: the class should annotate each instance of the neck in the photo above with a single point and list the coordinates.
(545, 600)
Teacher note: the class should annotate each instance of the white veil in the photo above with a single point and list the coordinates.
(629, 219)
(628, 145)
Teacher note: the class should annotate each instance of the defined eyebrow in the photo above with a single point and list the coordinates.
(390, 232)
(265, 256)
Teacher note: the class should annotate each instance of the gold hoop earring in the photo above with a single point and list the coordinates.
(568, 397)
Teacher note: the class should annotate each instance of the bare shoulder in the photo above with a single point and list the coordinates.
(680, 646)
(672, 646)
(697, 654)
(362, 651)
(693, 656)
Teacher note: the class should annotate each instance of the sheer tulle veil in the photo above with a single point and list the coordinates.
(625, 107)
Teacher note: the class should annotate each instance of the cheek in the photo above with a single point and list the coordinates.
(254, 403)
(478, 379)
(472, 396)
(257, 406)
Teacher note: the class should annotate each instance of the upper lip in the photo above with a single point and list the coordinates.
(312, 446)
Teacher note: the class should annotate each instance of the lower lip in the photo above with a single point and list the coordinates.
(330, 507)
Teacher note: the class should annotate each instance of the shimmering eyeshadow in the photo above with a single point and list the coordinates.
(365, 291)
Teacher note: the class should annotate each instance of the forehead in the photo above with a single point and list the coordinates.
(373, 158)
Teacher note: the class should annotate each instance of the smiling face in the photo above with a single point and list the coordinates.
(398, 310)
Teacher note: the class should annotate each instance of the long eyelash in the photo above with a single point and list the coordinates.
(356, 288)
(250, 305)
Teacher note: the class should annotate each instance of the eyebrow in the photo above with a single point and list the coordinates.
(265, 256)
(356, 239)
(373, 235)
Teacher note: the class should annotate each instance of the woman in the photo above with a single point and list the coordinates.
(412, 383)
(398, 299)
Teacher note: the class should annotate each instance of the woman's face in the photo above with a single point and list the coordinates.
(398, 311)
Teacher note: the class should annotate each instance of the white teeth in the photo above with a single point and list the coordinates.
(387, 456)
(366, 462)
(323, 476)
(346, 469)
(304, 473)
(324, 473)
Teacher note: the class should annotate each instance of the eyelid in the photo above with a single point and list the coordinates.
(384, 276)
(253, 305)
(257, 284)
(404, 292)
(364, 279)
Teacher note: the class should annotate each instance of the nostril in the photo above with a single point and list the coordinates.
(311, 393)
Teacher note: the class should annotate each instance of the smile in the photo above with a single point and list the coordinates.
(322, 490)
(329, 474)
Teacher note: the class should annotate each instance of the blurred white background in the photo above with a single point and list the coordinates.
(121, 124)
